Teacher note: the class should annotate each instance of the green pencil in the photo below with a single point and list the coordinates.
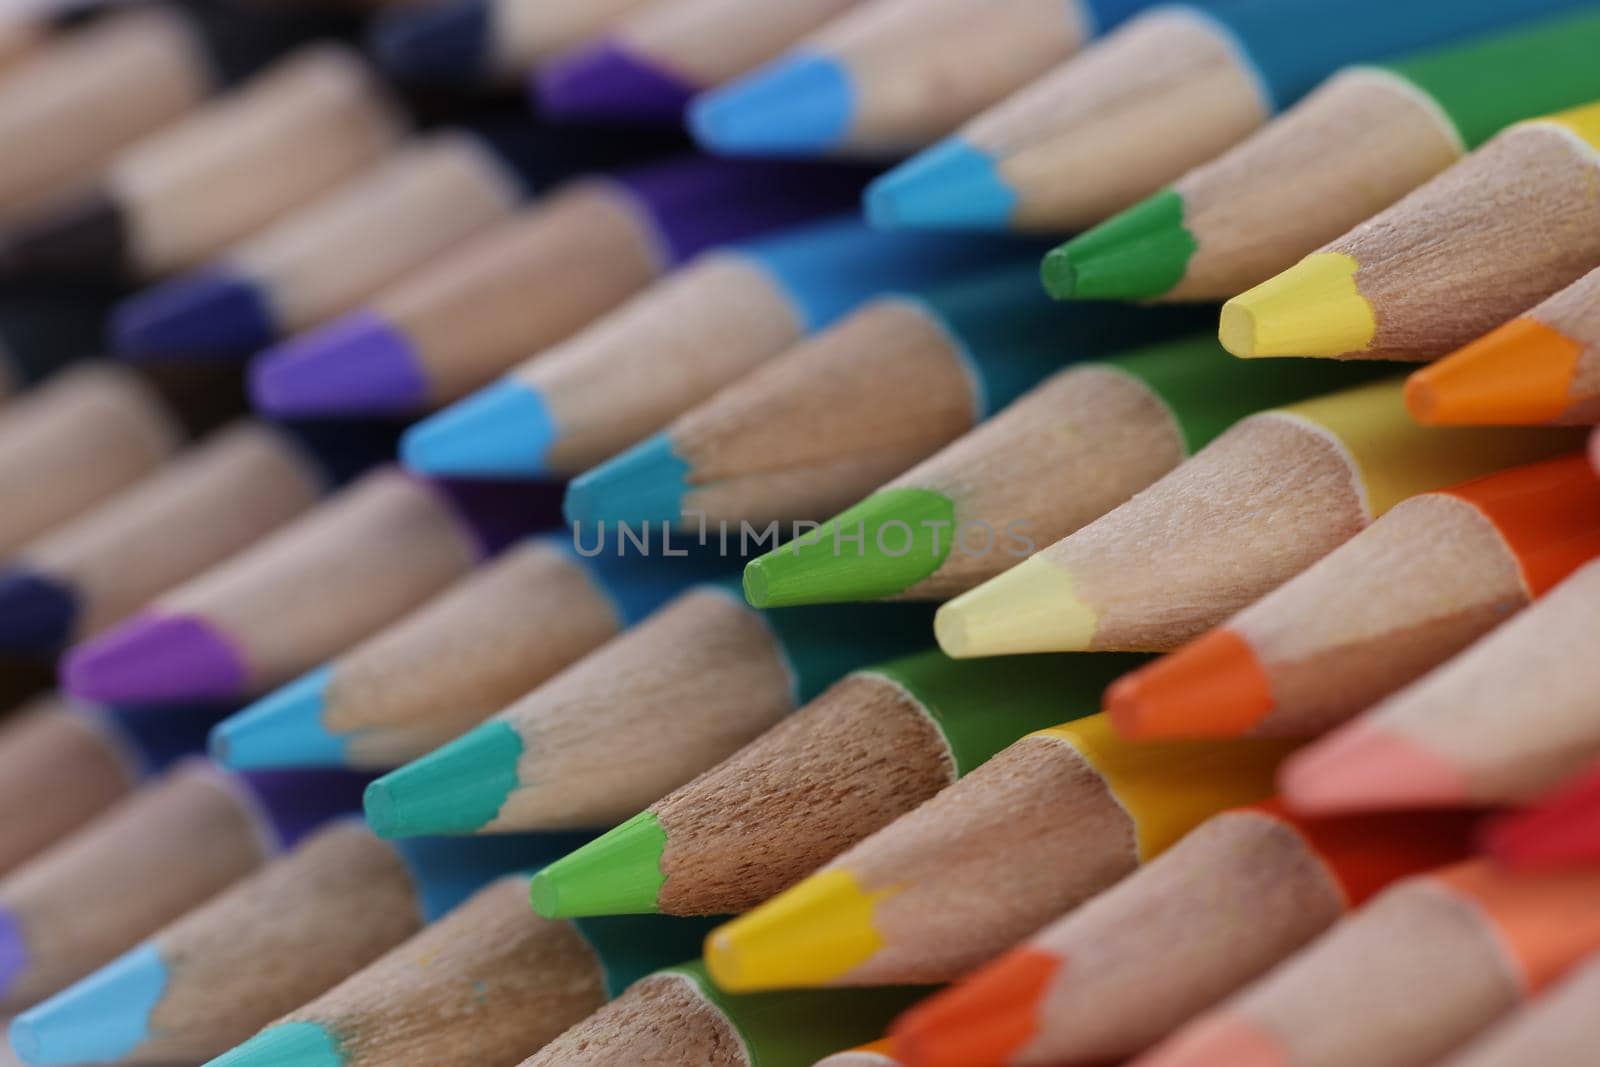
(640, 716)
(1366, 138)
(1067, 453)
(878, 743)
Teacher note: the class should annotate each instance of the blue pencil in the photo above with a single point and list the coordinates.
(1167, 92)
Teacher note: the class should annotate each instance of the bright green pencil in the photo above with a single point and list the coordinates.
(1366, 138)
(1065, 454)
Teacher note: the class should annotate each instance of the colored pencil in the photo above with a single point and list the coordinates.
(368, 555)
(1561, 830)
(1507, 719)
(1557, 1030)
(43, 330)
(873, 746)
(1264, 501)
(1067, 452)
(679, 1016)
(626, 725)
(807, 433)
(265, 946)
(475, 42)
(359, 238)
(1538, 368)
(896, 75)
(1242, 892)
(63, 763)
(1360, 142)
(90, 92)
(211, 501)
(1399, 598)
(565, 409)
(161, 852)
(74, 442)
(1046, 824)
(175, 199)
(482, 987)
(1169, 91)
(1407, 979)
(444, 331)
(494, 636)
(656, 59)
(1510, 225)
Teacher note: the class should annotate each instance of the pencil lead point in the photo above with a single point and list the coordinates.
(445, 45)
(283, 729)
(618, 873)
(952, 185)
(647, 483)
(208, 314)
(1212, 687)
(1363, 767)
(358, 365)
(457, 789)
(1030, 608)
(983, 1021)
(154, 659)
(285, 1045)
(1140, 254)
(808, 936)
(1518, 374)
(37, 613)
(607, 81)
(798, 105)
(503, 430)
(1314, 308)
(101, 1019)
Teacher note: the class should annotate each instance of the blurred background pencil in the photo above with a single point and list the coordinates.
(895, 75)
(872, 747)
(361, 559)
(592, 747)
(1559, 1029)
(491, 638)
(45, 329)
(1243, 891)
(1168, 91)
(1366, 137)
(1049, 822)
(164, 850)
(566, 408)
(1505, 720)
(1562, 829)
(1413, 975)
(1063, 454)
(1197, 545)
(813, 429)
(648, 66)
(268, 944)
(444, 331)
(1540, 367)
(483, 987)
(1495, 234)
(1399, 598)
(63, 763)
(174, 199)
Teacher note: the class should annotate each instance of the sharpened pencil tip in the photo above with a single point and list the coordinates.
(983, 1021)
(37, 614)
(950, 186)
(1519, 374)
(445, 45)
(1033, 607)
(1312, 309)
(155, 659)
(205, 315)
(294, 1044)
(1363, 767)
(808, 936)
(1212, 687)
(283, 729)
(618, 873)
(647, 483)
(608, 81)
(1140, 254)
(457, 789)
(359, 365)
(501, 431)
(799, 105)
(101, 1019)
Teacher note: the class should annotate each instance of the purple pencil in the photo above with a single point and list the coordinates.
(651, 64)
(491, 302)
(164, 850)
(370, 554)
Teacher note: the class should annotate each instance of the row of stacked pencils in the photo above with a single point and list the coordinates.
(864, 533)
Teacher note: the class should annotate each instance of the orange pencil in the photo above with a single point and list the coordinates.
(1239, 894)
(1411, 977)
(1541, 367)
(1417, 586)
